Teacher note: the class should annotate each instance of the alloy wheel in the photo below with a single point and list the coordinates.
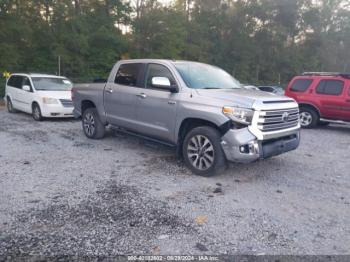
(36, 113)
(89, 124)
(9, 106)
(305, 118)
(200, 152)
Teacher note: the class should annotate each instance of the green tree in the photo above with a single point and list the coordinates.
(259, 41)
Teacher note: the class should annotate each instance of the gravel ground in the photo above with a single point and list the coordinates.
(62, 194)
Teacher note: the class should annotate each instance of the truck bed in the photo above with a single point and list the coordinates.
(88, 91)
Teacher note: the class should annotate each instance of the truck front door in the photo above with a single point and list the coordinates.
(156, 112)
(121, 95)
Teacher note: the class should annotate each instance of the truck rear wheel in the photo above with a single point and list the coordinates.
(92, 125)
(202, 151)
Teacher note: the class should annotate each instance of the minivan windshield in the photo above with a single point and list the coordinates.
(203, 76)
(52, 84)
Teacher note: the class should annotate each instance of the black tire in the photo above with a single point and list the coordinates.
(308, 117)
(36, 112)
(197, 157)
(92, 125)
(9, 105)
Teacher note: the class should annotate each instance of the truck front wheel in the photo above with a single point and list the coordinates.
(202, 151)
(92, 125)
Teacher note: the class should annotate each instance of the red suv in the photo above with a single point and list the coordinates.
(323, 98)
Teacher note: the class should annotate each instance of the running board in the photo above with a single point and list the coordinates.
(335, 121)
(124, 131)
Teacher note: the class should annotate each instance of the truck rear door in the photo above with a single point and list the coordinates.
(121, 95)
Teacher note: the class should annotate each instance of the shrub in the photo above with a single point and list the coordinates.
(2, 89)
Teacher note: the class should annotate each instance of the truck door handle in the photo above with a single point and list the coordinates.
(109, 90)
(142, 95)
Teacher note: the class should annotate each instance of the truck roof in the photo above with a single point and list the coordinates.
(155, 60)
(145, 60)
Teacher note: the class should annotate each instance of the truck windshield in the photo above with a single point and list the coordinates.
(203, 76)
(52, 84)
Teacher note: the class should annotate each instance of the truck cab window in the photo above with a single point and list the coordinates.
(155, 70)
(128, 75)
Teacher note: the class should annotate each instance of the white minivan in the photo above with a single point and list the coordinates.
(40, 95)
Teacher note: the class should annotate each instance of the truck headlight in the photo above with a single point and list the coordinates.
(49, 100)
(237, 114)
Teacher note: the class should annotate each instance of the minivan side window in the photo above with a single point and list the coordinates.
(301, 85)
(15, 81)
(330, 87)
(155, 70)
(128, 75)
(26, 81)
(11, 81)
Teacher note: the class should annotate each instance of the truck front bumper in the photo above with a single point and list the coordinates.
(241, 146)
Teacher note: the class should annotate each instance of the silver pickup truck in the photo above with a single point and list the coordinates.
(199, 108)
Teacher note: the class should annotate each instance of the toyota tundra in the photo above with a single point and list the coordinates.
(200, 109)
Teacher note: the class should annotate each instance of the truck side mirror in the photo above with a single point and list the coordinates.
(163, 83)
(26, 88)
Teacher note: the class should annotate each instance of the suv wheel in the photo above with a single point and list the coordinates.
(202, 151)
(92, 125)
(36, 112)
(10, 108)
(308, 118)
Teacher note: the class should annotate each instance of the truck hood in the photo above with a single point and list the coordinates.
(241, 97)
(55, 94)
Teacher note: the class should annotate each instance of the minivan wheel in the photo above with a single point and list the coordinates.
(36, 112)
(92, 125)
(308, 118)
(10, 108)
(202, 151)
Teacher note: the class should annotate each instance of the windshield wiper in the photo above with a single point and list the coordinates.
(211, 88)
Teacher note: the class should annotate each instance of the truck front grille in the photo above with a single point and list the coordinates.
(274, 120)
(66, 102)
